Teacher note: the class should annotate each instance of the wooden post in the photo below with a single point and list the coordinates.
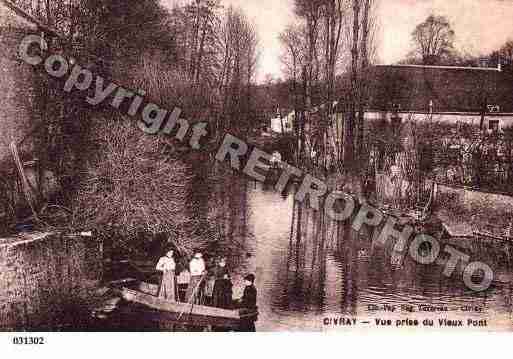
(27, 190)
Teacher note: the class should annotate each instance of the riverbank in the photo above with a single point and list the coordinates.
(481, 212)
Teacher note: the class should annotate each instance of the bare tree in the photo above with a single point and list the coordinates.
(293, 59)
(433, 39)
(351, 118)
(506, 53)
(311, 12)
(239, 44)
(322, 24)
(293, 56)
(366, 49)
(334, 17)
(361, 42)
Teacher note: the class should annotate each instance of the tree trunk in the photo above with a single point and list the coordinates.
(350, 120)
(362, 100)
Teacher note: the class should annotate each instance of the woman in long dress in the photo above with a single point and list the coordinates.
(222, 294)
(182, 280)
(167, 266)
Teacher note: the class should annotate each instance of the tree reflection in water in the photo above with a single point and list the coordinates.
(309, 266)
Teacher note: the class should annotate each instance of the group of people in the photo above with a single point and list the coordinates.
(196, 283)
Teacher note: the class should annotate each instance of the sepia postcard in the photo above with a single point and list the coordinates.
(329, 166)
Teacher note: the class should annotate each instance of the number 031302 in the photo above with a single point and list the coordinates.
(28, 340)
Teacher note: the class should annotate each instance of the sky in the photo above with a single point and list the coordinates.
(480, 26)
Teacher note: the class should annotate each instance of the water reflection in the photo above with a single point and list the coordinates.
(309, 268)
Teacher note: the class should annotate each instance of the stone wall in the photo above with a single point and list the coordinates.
(42, 276)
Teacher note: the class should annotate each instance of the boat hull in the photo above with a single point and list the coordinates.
(183, 313)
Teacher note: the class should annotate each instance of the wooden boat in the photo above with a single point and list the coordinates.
(183, 313)
(458, 229)
(493, 236)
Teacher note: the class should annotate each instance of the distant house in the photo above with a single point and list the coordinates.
(448, 94)
(283, 124)
(19, 81)
(442, 93)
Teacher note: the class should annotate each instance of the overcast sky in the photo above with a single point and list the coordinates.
(480, 25)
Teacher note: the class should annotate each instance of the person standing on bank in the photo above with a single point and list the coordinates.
(167, 266)
(197, 269)
(248, 305)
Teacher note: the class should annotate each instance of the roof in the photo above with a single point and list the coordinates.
(27, 17)
(450, 89)
(434, 67)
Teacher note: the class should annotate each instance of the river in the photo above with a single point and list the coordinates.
(303, 284)
(308, 282)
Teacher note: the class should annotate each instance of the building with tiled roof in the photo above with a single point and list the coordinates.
(442, 93)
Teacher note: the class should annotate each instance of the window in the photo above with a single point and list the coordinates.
(494, 108)
(493, 125)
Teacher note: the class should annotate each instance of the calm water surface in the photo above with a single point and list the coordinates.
(302, 282)
(305, 279)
